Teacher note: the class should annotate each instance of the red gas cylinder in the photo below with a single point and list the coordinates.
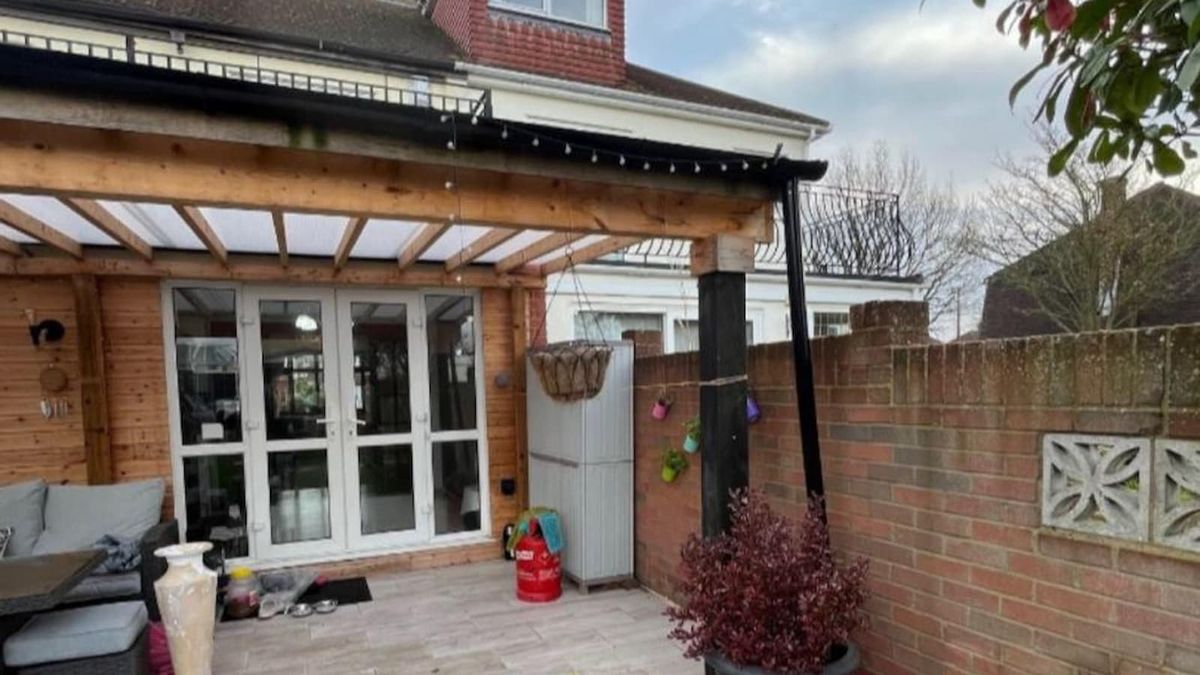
(539, 572)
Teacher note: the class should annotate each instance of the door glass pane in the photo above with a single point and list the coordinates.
(215, 495)
(206, 363)
(456, 501)
(385, 476)
(293, 368)
(299, 487)
(381, 370)
(450, 325)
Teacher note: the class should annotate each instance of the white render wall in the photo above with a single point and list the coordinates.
(673, 293)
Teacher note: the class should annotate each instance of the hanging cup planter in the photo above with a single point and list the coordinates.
(753, 412)
(662, 406)
(674, 463)
(571, 371)
(691, 439)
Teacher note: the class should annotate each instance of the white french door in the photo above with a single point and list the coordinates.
(295, 422)
(311, 422)
(385, 407)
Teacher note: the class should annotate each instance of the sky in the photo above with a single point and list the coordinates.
(933, 81)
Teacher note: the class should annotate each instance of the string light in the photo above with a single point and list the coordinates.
(445, 118)
(724, 167)
(622, 160)
(672, 167)
(567, 149)
(450, 145)
(764, 166)
(697, 167)
(595, 157)
(646, 166)
(474, 120)
(745, 165)
(449, 185)
(504, 134)
(536, 141)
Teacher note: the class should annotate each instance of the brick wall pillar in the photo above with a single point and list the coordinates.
(645, 342)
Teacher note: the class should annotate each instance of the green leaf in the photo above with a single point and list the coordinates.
(1077, 111)
(1089, 16)
(1166, 161)
(1094, 63)
(1059, 160)
(1189, 71)
(1146, 88)
(1021, 83)
(1189, 11)
(1189, 152)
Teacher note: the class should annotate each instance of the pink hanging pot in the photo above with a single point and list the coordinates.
(662, 407)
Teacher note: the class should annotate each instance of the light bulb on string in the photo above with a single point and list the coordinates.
(474, 120)
(622, 160)
(445, 118)
(567, 149)
(724, 167)
(595, 157)
(450, 145)
(504, 134)
(745, 165)
(536, 141)
(697, 167)
(672, 167)
(764, 166)
(646, 166)
(449, 185)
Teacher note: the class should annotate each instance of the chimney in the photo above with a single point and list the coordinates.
(1112, 195)
(540, 39)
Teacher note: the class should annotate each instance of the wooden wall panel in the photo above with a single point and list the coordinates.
(502, 447)
(32, 446)
(137, 388)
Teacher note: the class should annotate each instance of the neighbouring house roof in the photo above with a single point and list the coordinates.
(386, 29)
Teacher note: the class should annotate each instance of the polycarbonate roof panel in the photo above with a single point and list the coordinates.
(158, 224)
(382, 239)
(512, 246)
(19, 237)
(310, 234)
(581, 244)
(456, 239)
(243, 231)
(56, 214)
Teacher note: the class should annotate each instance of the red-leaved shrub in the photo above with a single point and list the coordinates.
(767, 593)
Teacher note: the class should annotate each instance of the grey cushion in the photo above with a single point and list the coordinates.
(77, 515)
(21, 509)
(76, 634)
(101, 586)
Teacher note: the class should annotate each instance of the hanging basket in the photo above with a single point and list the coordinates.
(571, 371)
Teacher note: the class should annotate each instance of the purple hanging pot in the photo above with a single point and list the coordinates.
(752, 410)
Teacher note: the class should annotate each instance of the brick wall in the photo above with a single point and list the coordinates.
(932, 461)
(496, 37)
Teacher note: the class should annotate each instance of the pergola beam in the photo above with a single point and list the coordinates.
(420, 242)
(106, 222)
(587, 253)
(350, 235)
(487, 242)
(10, 248)
(69, 161)
(539, 248)
(263, 268)
(280, 236)
(203, 231)
(23, 222)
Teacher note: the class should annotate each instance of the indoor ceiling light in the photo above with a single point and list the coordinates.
(306, 323)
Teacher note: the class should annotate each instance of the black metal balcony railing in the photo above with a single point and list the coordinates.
(847, 233)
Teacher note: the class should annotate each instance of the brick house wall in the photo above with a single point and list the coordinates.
(932, 461)
(495, 37)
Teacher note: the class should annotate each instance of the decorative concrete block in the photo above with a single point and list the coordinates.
(1097, 484)
(1177, 493)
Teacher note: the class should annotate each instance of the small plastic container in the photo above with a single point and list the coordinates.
(242, 594)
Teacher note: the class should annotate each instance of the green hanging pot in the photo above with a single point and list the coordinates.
(669, 474)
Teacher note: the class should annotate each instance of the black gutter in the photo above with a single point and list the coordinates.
(125, 82)
(133, 18)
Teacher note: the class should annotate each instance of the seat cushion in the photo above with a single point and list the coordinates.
(77, 516)
(80, 633)
(21, 508)
(101, 586)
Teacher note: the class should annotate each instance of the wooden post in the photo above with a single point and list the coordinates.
(93, 385)
(722, 263)
(520, 331)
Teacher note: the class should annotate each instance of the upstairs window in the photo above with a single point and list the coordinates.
(587, 12)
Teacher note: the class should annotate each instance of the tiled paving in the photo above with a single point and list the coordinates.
(461, 620)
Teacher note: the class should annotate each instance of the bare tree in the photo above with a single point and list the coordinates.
(933, 215)
(1078, 254)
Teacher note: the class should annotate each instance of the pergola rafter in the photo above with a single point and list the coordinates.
(544, 246)
(587, 253)
(22, 222)
(203, 231)
(489, 241)
(280, 225)
(10, 248)
(420, 242)
(350, 235)
(106, 222)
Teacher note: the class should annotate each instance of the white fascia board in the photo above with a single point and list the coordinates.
(537, 99)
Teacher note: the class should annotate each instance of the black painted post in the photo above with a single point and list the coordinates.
(725, 454)
(814, 478)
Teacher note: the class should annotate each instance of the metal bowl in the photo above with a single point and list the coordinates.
(326, 606)
(300, 610)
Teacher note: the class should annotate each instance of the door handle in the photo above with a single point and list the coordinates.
(361, 423)
(327, 420)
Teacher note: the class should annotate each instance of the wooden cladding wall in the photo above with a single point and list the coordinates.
(32, 446)
(499, 360)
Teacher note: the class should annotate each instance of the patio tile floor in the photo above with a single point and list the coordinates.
(460, 620)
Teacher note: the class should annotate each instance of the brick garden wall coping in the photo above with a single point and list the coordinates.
(932, 461)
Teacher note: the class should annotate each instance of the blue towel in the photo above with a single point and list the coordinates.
(551, 531)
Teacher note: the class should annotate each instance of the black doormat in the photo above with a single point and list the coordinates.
(345, 591)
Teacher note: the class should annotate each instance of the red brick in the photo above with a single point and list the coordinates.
(943, 567)
(1184, 572)
(1170, 627)
(1086, 605)
(971, 596)
(1076, 550)
(1028, 662)
(1032, 615)
(1005, 488)
(1002, 582)
(1002, 535)
(921, 623)
(970, 640)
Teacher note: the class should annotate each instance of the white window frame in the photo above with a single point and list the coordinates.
(669, 314)
(547, 12)
(179, 451)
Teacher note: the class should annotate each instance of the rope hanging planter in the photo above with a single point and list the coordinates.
(571, 371)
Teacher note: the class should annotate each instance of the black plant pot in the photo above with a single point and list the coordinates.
(845, 664)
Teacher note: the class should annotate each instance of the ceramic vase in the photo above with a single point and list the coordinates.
(691, 444)
(187, 600)
(660, 410)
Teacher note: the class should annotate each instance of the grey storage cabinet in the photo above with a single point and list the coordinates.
(581, 464)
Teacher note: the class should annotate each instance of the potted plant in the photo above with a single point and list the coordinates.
(691, 438)
(662, 406)
(768, 597)
(674, 463)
